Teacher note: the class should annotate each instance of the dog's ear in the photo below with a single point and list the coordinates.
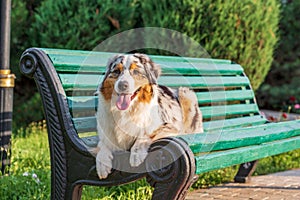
(112, 60)
(155, 69)
(152, 69)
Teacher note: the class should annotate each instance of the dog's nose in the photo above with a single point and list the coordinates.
(123, 85)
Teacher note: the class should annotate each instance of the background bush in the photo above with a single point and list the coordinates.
(22, 14)
(281, 87)
(32, 108)
(80, 24)
(243, 31)
(68, 24)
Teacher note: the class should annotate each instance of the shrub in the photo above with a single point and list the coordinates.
(243, 31)
(282, 82)
(60, 24)
(21, 19)
(26, 112)
(80, 24)
(18, 28)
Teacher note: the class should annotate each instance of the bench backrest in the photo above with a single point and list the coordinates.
(224, 92)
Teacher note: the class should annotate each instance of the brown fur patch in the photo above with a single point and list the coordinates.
(107, 88)
(186, 109)
(145, 93)
(120, 67)
(133, 66)
(191, 115)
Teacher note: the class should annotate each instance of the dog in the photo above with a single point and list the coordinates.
(133, 110)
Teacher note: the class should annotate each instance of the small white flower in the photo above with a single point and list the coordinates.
(25, 174)
(34, 176)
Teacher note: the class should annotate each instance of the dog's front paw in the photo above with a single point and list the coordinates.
(137, 157)
(104, 163)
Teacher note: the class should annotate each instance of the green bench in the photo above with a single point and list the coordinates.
(235, 132)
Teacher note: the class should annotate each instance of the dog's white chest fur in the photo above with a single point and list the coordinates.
(120, 129)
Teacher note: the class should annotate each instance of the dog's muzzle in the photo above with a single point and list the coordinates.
(124, 87)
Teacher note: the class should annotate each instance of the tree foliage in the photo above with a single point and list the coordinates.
(243, 31)
(282, 82)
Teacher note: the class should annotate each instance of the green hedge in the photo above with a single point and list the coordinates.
(80, 24)
(281, 90)
(25, 98)
(243, 31)
(68, 24)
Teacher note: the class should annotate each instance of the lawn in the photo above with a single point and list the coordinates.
(30, 171)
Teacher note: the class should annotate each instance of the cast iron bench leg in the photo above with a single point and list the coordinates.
(171, 181)
(77, 191)
(245, 172)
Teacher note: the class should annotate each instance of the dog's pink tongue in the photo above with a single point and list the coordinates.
(123, 101)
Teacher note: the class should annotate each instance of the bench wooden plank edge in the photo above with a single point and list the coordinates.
(241, 137)
(217, 160)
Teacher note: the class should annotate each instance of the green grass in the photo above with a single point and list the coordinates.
(30, 168)
(30, 172)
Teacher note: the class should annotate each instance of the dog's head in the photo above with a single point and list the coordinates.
(129, 78)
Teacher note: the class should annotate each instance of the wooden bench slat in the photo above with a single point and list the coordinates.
(85, 124)
(239, 137)
(204, 82)
(234, 123)
(227, 95)
(84, 57)
(72, 66)
(54, 53)
(88, 124)
(200, 69)
(171, 70)
(217, 160)
(225, 110)
(207, 112)
(95, 62)
(82, 103)
(89, 103)
(90, 82)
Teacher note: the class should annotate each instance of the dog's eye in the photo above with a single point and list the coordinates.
(136, 72)
(115, 72)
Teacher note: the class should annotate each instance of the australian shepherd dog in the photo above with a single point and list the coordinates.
(134, 110)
